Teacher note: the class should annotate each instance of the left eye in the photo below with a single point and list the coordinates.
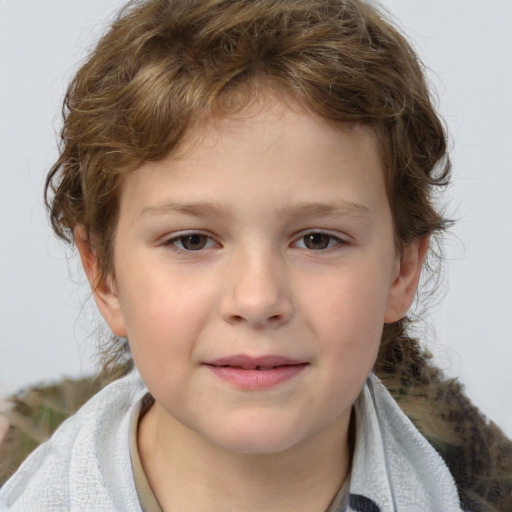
(192, 242)
(317, 241)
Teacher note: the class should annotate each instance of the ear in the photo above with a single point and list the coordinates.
(403, 289)
(103, 288)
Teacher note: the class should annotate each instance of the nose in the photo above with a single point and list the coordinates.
(257, 292)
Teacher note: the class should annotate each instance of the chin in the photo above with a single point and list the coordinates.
(257, 439)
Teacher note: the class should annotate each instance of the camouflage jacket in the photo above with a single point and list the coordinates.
(477, 453)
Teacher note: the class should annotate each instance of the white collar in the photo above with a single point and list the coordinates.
(394, 468)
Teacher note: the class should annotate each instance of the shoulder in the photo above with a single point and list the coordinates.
(88, 451)
(393, 464)
(477, 453)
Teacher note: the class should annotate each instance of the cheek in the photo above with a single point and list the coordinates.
(351, 301)
(348, 317)
(164, 316)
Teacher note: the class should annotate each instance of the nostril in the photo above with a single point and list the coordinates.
(273, 319)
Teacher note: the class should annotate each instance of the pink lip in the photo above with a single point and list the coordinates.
(255, 373)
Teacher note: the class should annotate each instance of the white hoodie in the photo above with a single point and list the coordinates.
(86, 466)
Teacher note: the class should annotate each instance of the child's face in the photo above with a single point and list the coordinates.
(270, 243)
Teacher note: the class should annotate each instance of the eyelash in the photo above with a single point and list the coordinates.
(332, 241)
(174, 241)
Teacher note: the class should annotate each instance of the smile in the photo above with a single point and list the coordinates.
(253, 374)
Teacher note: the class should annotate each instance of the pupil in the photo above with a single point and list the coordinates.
(193, 242)
(316, 241)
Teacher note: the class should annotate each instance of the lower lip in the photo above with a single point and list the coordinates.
(254, 380)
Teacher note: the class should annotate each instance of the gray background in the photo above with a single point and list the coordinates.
(48, 324)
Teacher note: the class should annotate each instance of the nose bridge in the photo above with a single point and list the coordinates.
(257, 293)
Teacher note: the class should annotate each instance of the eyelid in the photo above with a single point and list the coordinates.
(171, 241)
(340, 239)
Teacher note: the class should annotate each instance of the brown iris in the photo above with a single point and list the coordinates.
(317, 241)
(194, 242)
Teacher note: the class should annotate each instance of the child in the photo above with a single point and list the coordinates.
(249, 185)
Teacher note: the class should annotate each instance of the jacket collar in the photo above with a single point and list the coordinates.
(394, 468)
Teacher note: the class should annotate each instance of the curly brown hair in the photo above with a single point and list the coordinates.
(164, 64)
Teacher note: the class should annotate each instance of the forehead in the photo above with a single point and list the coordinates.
(278, 146)
(271, 117)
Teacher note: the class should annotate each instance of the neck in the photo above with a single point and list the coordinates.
(207, 477)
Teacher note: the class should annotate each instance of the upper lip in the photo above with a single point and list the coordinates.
(254, 363)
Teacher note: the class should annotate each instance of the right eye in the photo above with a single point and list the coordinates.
(318, 241)
(191, 242)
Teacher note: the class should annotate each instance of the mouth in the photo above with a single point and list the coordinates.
(255, 373)
(264, 363)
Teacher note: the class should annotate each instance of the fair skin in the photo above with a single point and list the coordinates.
(267, 241)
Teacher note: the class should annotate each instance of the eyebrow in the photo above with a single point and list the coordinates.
(192, 208)
(339, 208)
